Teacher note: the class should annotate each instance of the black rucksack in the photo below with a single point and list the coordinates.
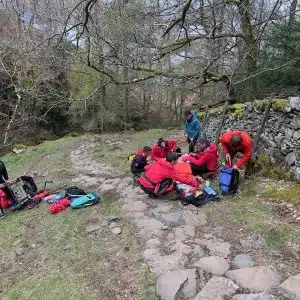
(74, 191)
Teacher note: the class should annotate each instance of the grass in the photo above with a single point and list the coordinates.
(249, 213)
(117, 158)
(99, 265)
(288, 194)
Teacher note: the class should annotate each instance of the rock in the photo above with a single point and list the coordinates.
(17, 242)
(116, 230)
(183, 233)
(297, 157)
(294, 103)
(255, 241)
(113, 225)
(253, 297)
(243, 261)
(149, 227)
(190, 286)
(198, 252)
(296, 123)
(257, 279)
(296, 172)
(67, 247)
(173, 219)
(180, 248)
(212, 264)
(92, 228)
(169, 284)
(290, 159)
(296, 135)
(20, 251)
(288, 133)
(218, 248)
(138, 206)
(199, 219)
(217, 288)
(290, 288)
(153, 243)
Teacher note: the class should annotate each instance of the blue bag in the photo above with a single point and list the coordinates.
(87, 200)
(229, 181)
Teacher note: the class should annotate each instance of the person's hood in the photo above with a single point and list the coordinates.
(211, 148)
(194, 113)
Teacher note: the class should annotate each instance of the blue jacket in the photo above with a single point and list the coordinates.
(192, 128)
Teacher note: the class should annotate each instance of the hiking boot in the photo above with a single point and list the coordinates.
(2, 215)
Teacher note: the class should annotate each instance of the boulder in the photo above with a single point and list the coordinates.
(212, 264)
(253, 297)
(290, 288)
(149, 227)
(257, 279)
(217, 288)
(294, 103)
(218, 248)
(153, 243)
(171, 283)
(290, 159)
(254, 241)
(243, 261)
(296, 171)
(185, 232)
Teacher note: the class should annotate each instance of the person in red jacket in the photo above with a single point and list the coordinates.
(234, 142)
(205, 159)
(183, 174)
(158, 176)
(163, 147)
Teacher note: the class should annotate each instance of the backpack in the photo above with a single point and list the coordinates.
(74, 192)
(87, 200)
(229, 181)
(188, 195)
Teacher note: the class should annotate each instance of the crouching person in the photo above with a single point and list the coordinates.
(140, 161)
(205, 160)
(157, 179)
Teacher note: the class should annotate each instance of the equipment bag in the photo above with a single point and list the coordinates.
(188, 195)
(74, 192)
(83, 201)
(229, 181)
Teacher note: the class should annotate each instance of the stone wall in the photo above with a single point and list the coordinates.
(280, 139)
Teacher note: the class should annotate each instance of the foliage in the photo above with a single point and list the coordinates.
(201, 115)
(239, 110)
(280, 104)
(288, 194)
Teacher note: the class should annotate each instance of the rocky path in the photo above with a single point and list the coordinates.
(188, 258)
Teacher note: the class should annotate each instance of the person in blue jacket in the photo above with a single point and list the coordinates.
(191, 128)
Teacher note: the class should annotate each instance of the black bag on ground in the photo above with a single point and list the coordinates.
(74, 192)
(29, 185)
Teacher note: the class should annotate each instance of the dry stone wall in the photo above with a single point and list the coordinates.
(280, 139)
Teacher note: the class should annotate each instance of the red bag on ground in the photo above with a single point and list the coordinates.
(55, 208)
(4, 202)
(65, 202)
(40, 195)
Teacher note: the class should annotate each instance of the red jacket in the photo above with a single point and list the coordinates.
(157, 172)
(183, 174)
(208, 158)
(159, 152)
(246, 146)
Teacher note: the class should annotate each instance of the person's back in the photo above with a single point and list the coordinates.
(208, 158)
(139, 161)
(162, 148)
(182, 173)
(156, 173)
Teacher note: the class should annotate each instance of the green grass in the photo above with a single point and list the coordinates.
(288, 194)
(248, 213)
(118, 158)
(98, 265)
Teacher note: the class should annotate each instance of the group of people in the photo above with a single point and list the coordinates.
(159, 167)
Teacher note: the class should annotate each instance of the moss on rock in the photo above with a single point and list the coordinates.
(280, 104)
(239, 110)
(201, 115)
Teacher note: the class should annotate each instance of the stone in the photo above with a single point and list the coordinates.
(138, 206)
(184, 233)
(190, 286)
(212, 264)
(180, 248)
(243, 261)
(153, 243)
(218, 248)
(198, 252)
(20, 251)
(195, 219)
(297, 157)
(296, 122)
(172, 219)
(67, 247)
(255, 241)
(290, 159)
(296, 172)
(169, 284)
(92, 228)
(116, 230)
(257, 279)
(294, 103)
(290, 288)
(253, 297)
(112, 225)
(288, 133)
(296, 135)
(149, 227)
(217, 288)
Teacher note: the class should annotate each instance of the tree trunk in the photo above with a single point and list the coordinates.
(126, 99)
(293, 11)
(251, 48)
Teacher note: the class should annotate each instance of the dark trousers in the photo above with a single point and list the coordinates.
(191, 145)
(198, 170)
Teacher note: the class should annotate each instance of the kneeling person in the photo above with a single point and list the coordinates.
(157, 179)
(163, 147)
(139, 161)
(205, 160)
